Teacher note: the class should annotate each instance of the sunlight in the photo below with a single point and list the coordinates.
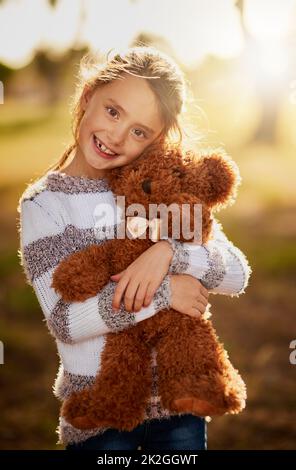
(194, 28)
(62, 25)
(273, 60)
(27, 25)
(114, 25)
(21, 25)
(269, 23)
(269, 19)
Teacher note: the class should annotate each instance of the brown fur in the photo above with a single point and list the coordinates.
(195, 374)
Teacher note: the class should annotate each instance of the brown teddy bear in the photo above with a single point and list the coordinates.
(195, 374)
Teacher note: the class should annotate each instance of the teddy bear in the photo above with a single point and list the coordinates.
(195, 374)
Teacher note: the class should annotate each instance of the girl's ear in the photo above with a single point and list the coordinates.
(86, 95)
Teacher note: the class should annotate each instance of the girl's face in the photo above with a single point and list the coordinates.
(120, 117)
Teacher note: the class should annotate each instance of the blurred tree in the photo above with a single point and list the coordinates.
(266, 129)
(54, 70)
(53, 2)
(269, 88)
(5, 71)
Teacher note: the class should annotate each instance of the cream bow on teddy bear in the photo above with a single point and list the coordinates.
(137, 226)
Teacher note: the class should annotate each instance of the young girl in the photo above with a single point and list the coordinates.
(122, 106)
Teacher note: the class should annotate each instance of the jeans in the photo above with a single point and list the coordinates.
(179, 432)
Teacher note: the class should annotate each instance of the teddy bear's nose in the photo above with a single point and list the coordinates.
(179, 172)
(146, 185)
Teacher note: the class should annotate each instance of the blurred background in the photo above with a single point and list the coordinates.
(239, 58)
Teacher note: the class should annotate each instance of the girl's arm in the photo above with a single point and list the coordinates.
(43, 244)
(219, 265)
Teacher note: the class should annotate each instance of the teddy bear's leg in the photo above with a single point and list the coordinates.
(120, 395)
(195, 374)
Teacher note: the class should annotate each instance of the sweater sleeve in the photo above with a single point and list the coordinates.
(43, 244)
(220, 266)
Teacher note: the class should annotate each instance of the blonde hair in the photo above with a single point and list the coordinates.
(162, 74)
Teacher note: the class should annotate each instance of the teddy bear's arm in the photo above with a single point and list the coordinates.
(218, 264)
(82, 274)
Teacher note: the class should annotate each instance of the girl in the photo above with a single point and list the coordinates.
(122, 106)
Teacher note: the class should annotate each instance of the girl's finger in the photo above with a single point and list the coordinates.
(118, 293)
(117, 276)
(203, 300)
(200, 307)
(204, 292)
(151, 289)
(140, 296)
(130, 294)
(195, 313)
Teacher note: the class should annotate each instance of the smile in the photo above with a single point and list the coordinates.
(102, 149)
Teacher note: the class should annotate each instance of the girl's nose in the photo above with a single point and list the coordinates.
(117, 137)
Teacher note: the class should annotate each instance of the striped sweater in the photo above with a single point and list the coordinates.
(57, 217)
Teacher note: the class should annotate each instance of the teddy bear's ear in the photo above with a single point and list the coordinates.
(212, 177)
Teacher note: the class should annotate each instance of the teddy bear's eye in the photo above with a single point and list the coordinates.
(178, 172)
(146, 186)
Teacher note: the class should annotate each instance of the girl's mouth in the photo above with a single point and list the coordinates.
(102, 150)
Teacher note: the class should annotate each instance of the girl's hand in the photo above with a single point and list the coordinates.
(143, 277)
(188, 295)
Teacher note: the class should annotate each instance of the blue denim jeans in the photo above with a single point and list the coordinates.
(179, 432)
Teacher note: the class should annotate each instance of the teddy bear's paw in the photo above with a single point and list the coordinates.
(197, 407)
(83, 422)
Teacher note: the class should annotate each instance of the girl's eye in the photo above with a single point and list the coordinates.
(112, 111)
(141, 132)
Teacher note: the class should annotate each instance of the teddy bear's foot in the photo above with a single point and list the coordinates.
(125, 420)
(197, 407)
(123, 413)
(75, 408)
(188, 395)
(99, 418)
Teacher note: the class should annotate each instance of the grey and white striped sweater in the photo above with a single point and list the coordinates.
(56, 219)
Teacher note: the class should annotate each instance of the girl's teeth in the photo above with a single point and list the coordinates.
(105, 149)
